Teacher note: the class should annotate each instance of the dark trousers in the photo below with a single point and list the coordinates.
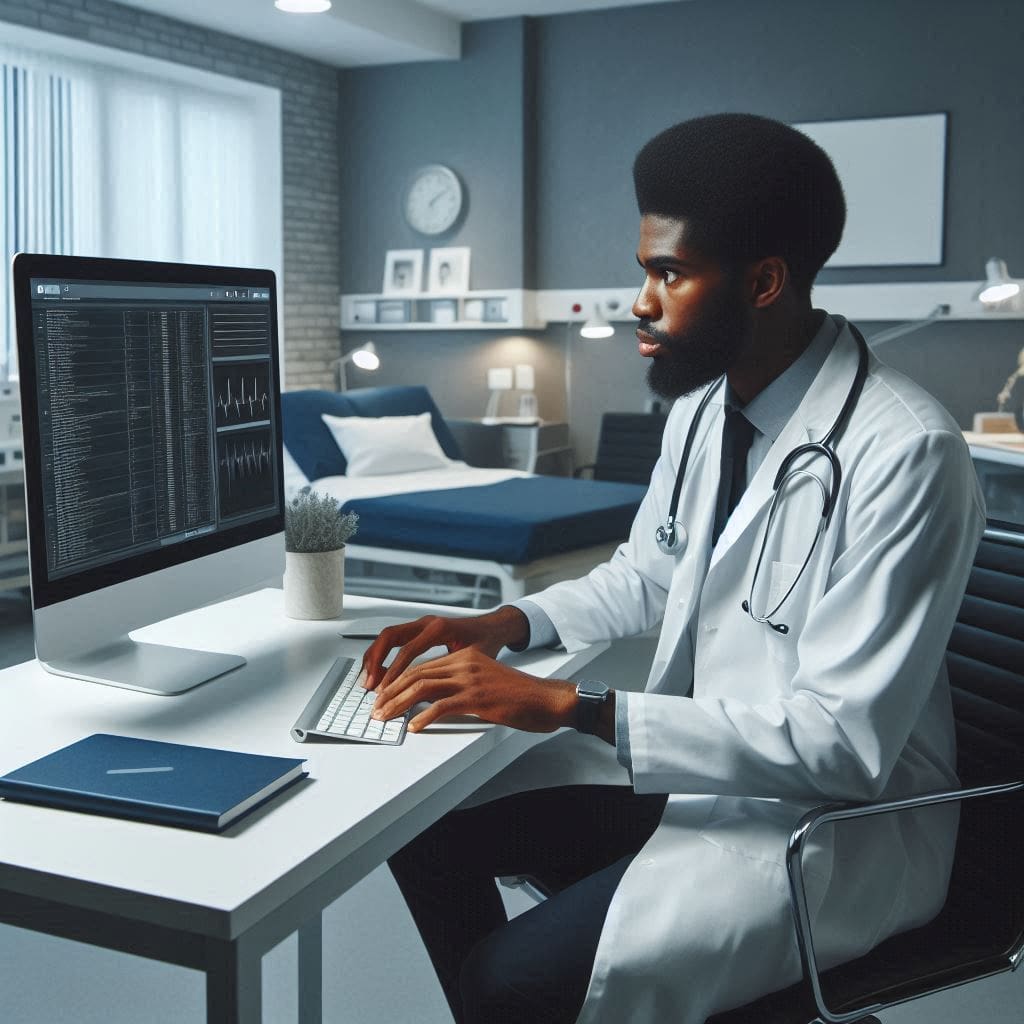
(536, 968)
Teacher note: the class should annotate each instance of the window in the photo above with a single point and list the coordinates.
(105, 153)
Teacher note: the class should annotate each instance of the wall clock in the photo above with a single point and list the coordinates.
(433, 200)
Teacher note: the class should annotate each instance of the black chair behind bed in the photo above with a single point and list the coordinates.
(627, 448)
(980, 930)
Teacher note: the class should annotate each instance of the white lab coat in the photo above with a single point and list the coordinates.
(852, 705)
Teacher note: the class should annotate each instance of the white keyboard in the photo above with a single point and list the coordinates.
(341, 708)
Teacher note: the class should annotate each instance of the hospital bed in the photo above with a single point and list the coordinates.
(438, 529)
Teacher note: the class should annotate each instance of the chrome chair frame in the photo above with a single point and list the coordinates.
(819, 816)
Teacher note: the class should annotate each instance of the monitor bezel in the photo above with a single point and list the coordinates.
(47, 592)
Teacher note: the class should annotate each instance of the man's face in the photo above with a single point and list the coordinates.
(694, 321)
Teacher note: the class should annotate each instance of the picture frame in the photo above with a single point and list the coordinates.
(449, 271)
(403, 272)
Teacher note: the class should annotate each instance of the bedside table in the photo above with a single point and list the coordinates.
(532, 447)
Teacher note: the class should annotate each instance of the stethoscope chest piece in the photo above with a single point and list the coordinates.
(671, 538)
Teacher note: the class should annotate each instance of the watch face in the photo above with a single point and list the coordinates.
(434, 200)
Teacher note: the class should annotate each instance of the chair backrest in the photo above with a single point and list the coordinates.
(628, 446)
(985, 657)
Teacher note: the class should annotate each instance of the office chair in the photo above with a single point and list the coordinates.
(628, 446)
(980, 930)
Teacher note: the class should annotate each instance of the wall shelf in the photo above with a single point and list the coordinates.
(482, 310)
(517, 309)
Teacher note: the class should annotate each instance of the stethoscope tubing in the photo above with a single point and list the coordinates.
(671, 537)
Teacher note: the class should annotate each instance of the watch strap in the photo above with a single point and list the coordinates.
(590, 696)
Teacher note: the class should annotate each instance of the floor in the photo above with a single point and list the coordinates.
(160, 993)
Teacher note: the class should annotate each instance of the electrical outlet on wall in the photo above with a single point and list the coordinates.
(499, 378)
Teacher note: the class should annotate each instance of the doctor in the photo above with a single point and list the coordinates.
(805, 543)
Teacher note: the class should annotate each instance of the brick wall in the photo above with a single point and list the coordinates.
(309, 145)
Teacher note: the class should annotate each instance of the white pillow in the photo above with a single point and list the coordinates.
(373, 445)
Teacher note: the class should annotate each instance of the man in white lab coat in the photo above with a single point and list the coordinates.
(796, 665)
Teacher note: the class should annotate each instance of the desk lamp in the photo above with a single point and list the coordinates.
(365, 357)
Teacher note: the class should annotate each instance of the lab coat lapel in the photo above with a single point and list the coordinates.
(811, 421)
(696, 515)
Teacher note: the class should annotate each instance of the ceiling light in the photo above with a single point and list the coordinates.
(999, 286)
(303, 6)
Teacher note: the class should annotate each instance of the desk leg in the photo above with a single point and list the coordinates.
(311, 968)
(234, 983)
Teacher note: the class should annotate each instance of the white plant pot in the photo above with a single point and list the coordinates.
(314, 584)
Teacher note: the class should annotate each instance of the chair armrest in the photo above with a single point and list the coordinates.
(838, 812)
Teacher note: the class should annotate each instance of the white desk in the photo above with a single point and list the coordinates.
(217, 903)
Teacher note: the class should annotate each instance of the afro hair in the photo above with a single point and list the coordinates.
(748, 187)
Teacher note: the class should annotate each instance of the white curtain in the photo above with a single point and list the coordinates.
(101, 161)
(37, 164)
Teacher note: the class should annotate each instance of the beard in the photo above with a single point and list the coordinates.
(705, 350)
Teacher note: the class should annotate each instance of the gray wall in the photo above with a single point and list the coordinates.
(595, 86)
(470, 114)
(309, 104)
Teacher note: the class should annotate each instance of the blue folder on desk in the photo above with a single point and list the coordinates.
(162, 783)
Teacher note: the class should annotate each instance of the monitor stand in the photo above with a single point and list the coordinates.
(151, 668)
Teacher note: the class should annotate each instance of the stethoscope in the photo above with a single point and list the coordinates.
(672, 537)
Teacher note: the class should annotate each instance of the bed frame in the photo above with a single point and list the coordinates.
(467, 582)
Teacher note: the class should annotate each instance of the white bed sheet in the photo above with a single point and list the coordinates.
(458, 474)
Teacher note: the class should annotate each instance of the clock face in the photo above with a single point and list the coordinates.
(433, 201)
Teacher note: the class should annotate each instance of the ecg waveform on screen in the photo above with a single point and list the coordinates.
(245, 469)
(241, 393)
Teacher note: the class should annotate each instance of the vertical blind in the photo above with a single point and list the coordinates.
(100, 161)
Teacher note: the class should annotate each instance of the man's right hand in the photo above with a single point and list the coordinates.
(505, 626)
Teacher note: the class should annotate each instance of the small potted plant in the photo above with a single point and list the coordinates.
(315, 532)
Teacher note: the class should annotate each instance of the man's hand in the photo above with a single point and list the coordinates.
(487, 633)
(470, 682)
(467, 681)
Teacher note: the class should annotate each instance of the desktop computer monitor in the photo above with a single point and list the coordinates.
(151, 413)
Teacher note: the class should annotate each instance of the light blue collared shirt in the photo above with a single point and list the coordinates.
(768, 412)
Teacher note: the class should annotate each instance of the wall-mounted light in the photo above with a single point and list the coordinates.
(303, 6)
(365, 357)
(597, 326)
(998, 286)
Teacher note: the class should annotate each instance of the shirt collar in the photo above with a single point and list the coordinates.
(771, 409)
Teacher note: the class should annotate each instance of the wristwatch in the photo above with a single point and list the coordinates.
(590, 695)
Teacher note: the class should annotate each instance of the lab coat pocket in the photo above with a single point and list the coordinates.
(755, 829)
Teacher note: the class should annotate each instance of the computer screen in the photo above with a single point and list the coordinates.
(151, 407)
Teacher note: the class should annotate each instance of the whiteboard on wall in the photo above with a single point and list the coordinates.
(893, 171)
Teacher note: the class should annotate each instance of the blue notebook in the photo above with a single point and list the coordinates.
(162, 783)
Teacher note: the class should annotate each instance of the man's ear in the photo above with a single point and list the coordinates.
(768, 278)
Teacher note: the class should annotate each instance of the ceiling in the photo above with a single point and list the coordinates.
(360, 32)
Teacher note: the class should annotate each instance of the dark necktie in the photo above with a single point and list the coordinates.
(737, 434)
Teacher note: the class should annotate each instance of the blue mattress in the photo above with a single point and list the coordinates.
(515, 521)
